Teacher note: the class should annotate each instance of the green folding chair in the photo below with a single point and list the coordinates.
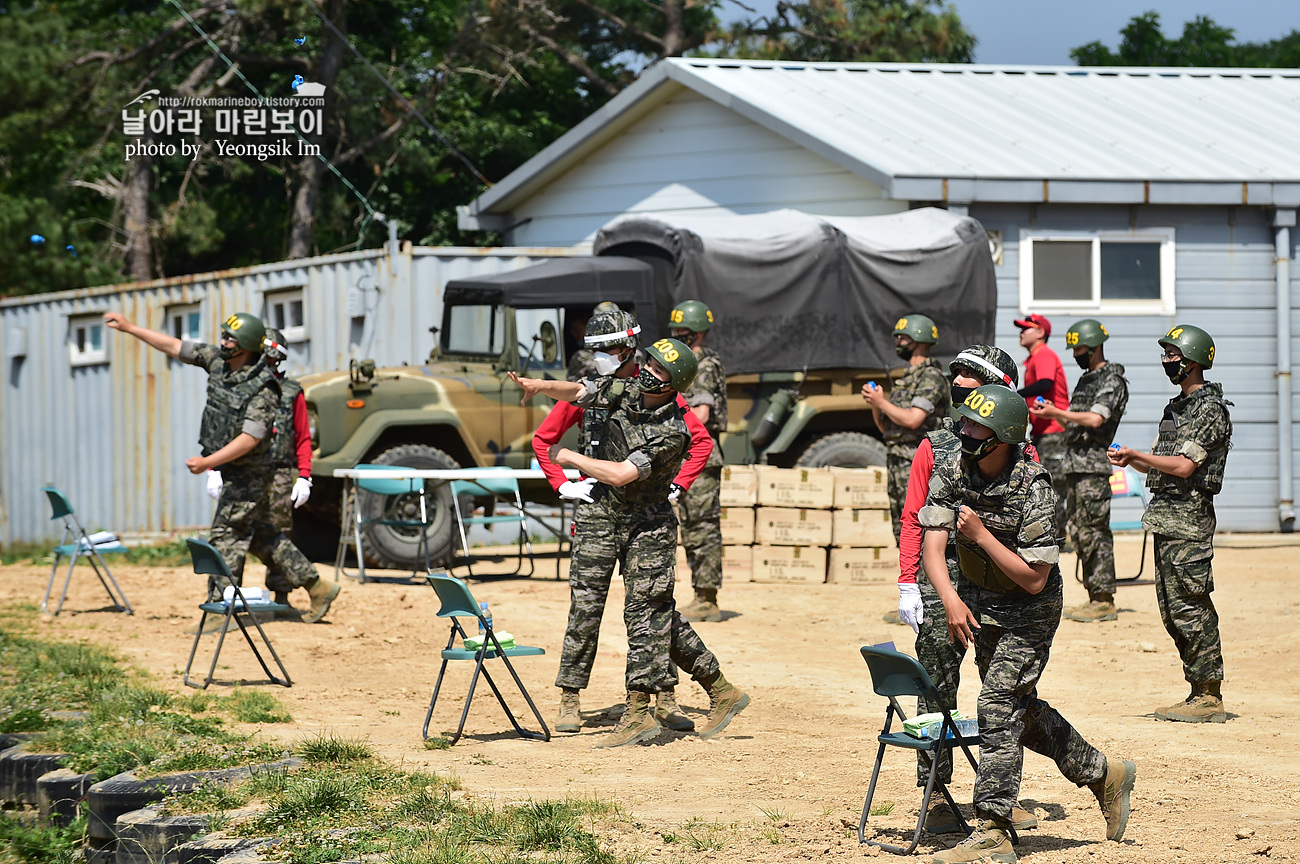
(894, 674)
(209, 561)
(505, 490)
(81, 546)
(457, 601)
(405, 497)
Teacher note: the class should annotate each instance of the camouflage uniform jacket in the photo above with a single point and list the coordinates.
(1105, 392)
(239, 401)
(1199, 427)
(284, 453)
(925, 387)
(710, 388)
(582, 365)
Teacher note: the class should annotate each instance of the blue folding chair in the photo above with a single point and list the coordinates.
(494, 487)
(209, 561)
(1126, 483)
(81, 547)
(457, 601)
(404, 493)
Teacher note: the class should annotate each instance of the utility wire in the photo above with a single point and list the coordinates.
(391, 89)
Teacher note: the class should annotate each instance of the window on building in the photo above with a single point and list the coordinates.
(284, 312)
(86, 345)
(183, 322)
(1115, 274)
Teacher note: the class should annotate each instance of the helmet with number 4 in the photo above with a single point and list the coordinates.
(248, 330)
(1192, 342)
(919, 328)
(691, 315)
(611, 329)
(1000, 409)
(1089, 333)
(678, 360)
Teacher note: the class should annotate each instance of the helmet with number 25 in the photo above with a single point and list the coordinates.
(678, 360)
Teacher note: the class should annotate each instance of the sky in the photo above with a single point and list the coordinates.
(1042, 32)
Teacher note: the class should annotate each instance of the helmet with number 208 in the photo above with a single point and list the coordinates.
(1000, 409)
(678, 360)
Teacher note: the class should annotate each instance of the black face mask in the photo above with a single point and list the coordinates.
(1176, 370)
(651, 385)
(904, 351)
(227, 351)
(960, 393)
(976, 449)
(1084, 360)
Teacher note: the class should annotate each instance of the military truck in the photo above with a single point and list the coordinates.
(805, 308)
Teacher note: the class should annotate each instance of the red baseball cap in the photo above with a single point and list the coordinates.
(1035, 320)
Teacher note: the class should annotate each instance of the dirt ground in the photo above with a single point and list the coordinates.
(786, 779)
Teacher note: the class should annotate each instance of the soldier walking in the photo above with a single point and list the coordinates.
(1184, 472)
(235, 436)
(1096, 407)
(699, 509)
(1002, 509)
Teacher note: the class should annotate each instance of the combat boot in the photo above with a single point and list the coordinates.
(322, 594)
(1112, 792)
(290, 614)
(637, 724)
(1022, 819)
(725, 702)
(704, 607)
(1205, 705)
(668, 714)
(569, 718)
(940, 819)
(1097, 610)
(990, 841)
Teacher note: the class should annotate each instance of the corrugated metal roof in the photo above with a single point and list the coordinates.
(993, 133)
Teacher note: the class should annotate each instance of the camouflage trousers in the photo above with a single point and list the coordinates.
(1051, 455)
(898, 465)
(282, 518)
(243, 524)
(1184, 581)
(645, 552)
(1012, 717)
(700, 513)
(941, 658)
(1088, 506)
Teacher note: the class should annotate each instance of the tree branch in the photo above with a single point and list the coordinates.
(167, 32)
(572, 60)
(621, 24)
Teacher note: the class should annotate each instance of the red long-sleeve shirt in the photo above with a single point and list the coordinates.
(302, 436)
(565, 415)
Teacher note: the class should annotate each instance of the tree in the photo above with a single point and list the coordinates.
(1203, 43)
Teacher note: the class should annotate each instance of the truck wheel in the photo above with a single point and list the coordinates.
(843, 450)
(397, 547)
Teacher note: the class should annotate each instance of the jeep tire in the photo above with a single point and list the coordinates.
(843, 450)
(398, 548)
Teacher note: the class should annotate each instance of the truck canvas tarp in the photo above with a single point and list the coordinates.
(792, 290)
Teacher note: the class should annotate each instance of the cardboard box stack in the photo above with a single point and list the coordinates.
(862, 534)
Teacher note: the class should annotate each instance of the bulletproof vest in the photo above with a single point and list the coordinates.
(228, 396)
(1084, 397)
(284, 443)
(1002, 517)
(1208, 476)
(594, 420)
(628, 431)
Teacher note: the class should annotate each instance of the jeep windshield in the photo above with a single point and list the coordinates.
(474, 329)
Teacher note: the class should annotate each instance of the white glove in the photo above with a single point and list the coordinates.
(910, 609)
(214, 485)
(577, 490)
(674, 494)
(301, 491)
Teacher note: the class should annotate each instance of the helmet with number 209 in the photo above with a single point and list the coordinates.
(678, 360)
(1000, 409)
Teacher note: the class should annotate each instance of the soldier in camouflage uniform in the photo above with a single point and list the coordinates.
(1184, 472)
(583, 362)
(700, 509)
(1096, 407)
(915, 405)
(644, 444)
(1000, 505)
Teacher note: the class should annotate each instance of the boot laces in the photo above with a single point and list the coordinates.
(983, 832)
(569, 702)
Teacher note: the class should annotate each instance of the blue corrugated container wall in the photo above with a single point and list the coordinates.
(114, 435)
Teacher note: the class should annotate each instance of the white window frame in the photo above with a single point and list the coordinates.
(88, 356)
(1164, 306)
(286, 296)
(183, 311)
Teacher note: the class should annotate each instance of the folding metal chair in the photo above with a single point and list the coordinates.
(1125, 483)
(894, 674)
(457, 601)
(81, 547)
(208, 560)
(407, 495)
(494, 487)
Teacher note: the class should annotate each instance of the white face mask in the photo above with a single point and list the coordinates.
(607, 364)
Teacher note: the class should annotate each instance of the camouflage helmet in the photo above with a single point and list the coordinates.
(1192, 342)
(919, 328)
(605, 306)
(1089, 333)
(248, 330)
(987, 363)
(1000, 409)
(691, 315)
(275, 347)
(611, 330)
(678, 360)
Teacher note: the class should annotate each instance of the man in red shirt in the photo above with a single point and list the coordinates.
(1045, 377)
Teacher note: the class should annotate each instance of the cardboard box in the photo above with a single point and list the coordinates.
(870, 566)
(737, 526)
(802, 564)
(739, 486)
(737, 564)
(792, 526)
(861, 528)
(861, 488)
(795, 487)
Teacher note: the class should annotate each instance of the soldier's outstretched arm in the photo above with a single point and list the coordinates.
(1177, 465)
(560, 391)
(169, 345)
(609, 473)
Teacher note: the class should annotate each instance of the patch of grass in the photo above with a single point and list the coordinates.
(698, 835)
(310, 796)
(27, 841)
(882, 809)
(480, 759)
(209, 798)
(437, 742)
(172, 554)
(24, 553)
(773, 814)
(255, 706)
(327, 748)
